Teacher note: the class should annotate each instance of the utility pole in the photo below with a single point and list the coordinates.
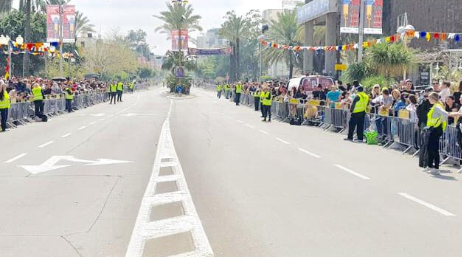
(61, 38)
(361, 30)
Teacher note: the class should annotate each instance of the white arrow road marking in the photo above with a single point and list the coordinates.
(428, 205)
(46, 144)
(50, 164)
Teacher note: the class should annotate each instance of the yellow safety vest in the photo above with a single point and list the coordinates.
(257, 94)
(120, 87)
(219, 88)
(5, 104)
(267, 98)
(238, 88)
(435, 122)
(113, 88)
(361, 105)
(67, 95)
(132, 85)
(37, 92)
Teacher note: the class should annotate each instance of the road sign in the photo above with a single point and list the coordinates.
(50, 164)
(341, 67)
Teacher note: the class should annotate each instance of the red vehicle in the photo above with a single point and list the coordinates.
(310, 83)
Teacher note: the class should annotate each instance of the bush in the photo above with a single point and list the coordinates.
(172, 82)
(368, 83)
(356, 71)
(265, 78)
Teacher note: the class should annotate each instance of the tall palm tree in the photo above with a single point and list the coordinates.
(178, 17)
(235, 29)
(284, 30)
(82, 24)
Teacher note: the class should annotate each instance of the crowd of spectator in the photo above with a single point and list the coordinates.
(20, 89)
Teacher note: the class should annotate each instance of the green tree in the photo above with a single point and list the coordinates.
(5, 6)
(178, 17)
(389, 60)
(82, 24)
(285, 30)
(237, 29)
(137, 42)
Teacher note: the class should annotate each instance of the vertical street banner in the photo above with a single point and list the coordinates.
(54, 22)
(350, 11)
(179, 37)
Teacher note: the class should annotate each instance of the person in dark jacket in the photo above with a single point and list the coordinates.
(422, 111)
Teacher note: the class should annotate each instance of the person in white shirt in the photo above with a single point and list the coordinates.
(445, 92)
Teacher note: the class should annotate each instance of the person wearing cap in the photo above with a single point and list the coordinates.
(358, 114)
(5, 105)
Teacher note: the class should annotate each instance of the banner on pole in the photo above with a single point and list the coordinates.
(177, 37)
(372, 18)
(54, 21)
(210, 51)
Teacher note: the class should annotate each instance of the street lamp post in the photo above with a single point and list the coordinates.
(260, 38)
(404, 32)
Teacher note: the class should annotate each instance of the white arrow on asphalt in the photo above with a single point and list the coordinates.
(50, 164)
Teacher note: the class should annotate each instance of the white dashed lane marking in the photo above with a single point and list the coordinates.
(264, 132)
(46, 144)
(249, 126)
(352, 172)
(83, 127)
(428, 205)
(16, 158)
(66, 135)
(282, 141)
(309, 153)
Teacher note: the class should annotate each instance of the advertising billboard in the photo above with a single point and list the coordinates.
(54, 22)
(350, 13)
(176, 35)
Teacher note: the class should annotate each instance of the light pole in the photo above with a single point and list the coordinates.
(61, 36)
(404, 31)
(260, 39)
(6, 40)
(361, 30)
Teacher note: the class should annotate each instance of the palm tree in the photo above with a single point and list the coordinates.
(235, 29)
(389, 59)
(82, 24)
(286, 31)
(178, 17)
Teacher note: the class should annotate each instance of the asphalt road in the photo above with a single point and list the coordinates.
(198, 176)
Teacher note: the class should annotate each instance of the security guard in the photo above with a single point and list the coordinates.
(262, 95)
(267, 100)
(120, 91)
(69, 95)
(358, 114)
(219, 90)
(5, 105)
(132, 87)
(227, 88)
(437, 123)
(238, 92)
(256, 98)
(113, 92)
(38, 100)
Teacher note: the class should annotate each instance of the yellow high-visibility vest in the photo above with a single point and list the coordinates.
(5, 104)
(435, 122)
(37, 92)
(361, 105)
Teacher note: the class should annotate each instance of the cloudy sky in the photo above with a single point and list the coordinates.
(123, 15)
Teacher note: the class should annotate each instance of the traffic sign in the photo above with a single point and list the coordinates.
(341, 67)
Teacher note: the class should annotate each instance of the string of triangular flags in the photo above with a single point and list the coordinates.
(428, 36)
(31, 48)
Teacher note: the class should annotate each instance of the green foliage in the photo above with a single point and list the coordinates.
(356, 71)
(178, 17)
(285, 30)
(389, 60)
(265, 78)
(145, 72)
(136, 40)
(369, 82)
(173, 82)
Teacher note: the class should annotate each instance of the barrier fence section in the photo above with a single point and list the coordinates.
(22, 112)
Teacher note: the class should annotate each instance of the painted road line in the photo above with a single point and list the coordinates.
(428, 205)
(282, 141)
(102, 119)
(16, 158)
(46, 144)
(264, 132)
(351, 172)
(93, 123)
(240, 121)
(145, 229)
(66, 135)
(309, 153)
(249, 126)
(83, 127)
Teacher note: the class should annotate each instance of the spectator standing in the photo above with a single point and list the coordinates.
(412, 108)
(451, 106)
(256, 98)
(319, 94)
(358, 114)
(458, 93)
(5, 105)
(445, 91)
(333, 96)
(436, 86)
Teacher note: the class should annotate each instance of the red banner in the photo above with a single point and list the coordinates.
(179, 37)
(54, 22)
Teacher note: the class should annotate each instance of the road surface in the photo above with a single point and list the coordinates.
(198, 176)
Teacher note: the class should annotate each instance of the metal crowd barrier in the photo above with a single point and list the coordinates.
(22, 112)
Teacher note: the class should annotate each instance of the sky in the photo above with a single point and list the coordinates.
(123, 15)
